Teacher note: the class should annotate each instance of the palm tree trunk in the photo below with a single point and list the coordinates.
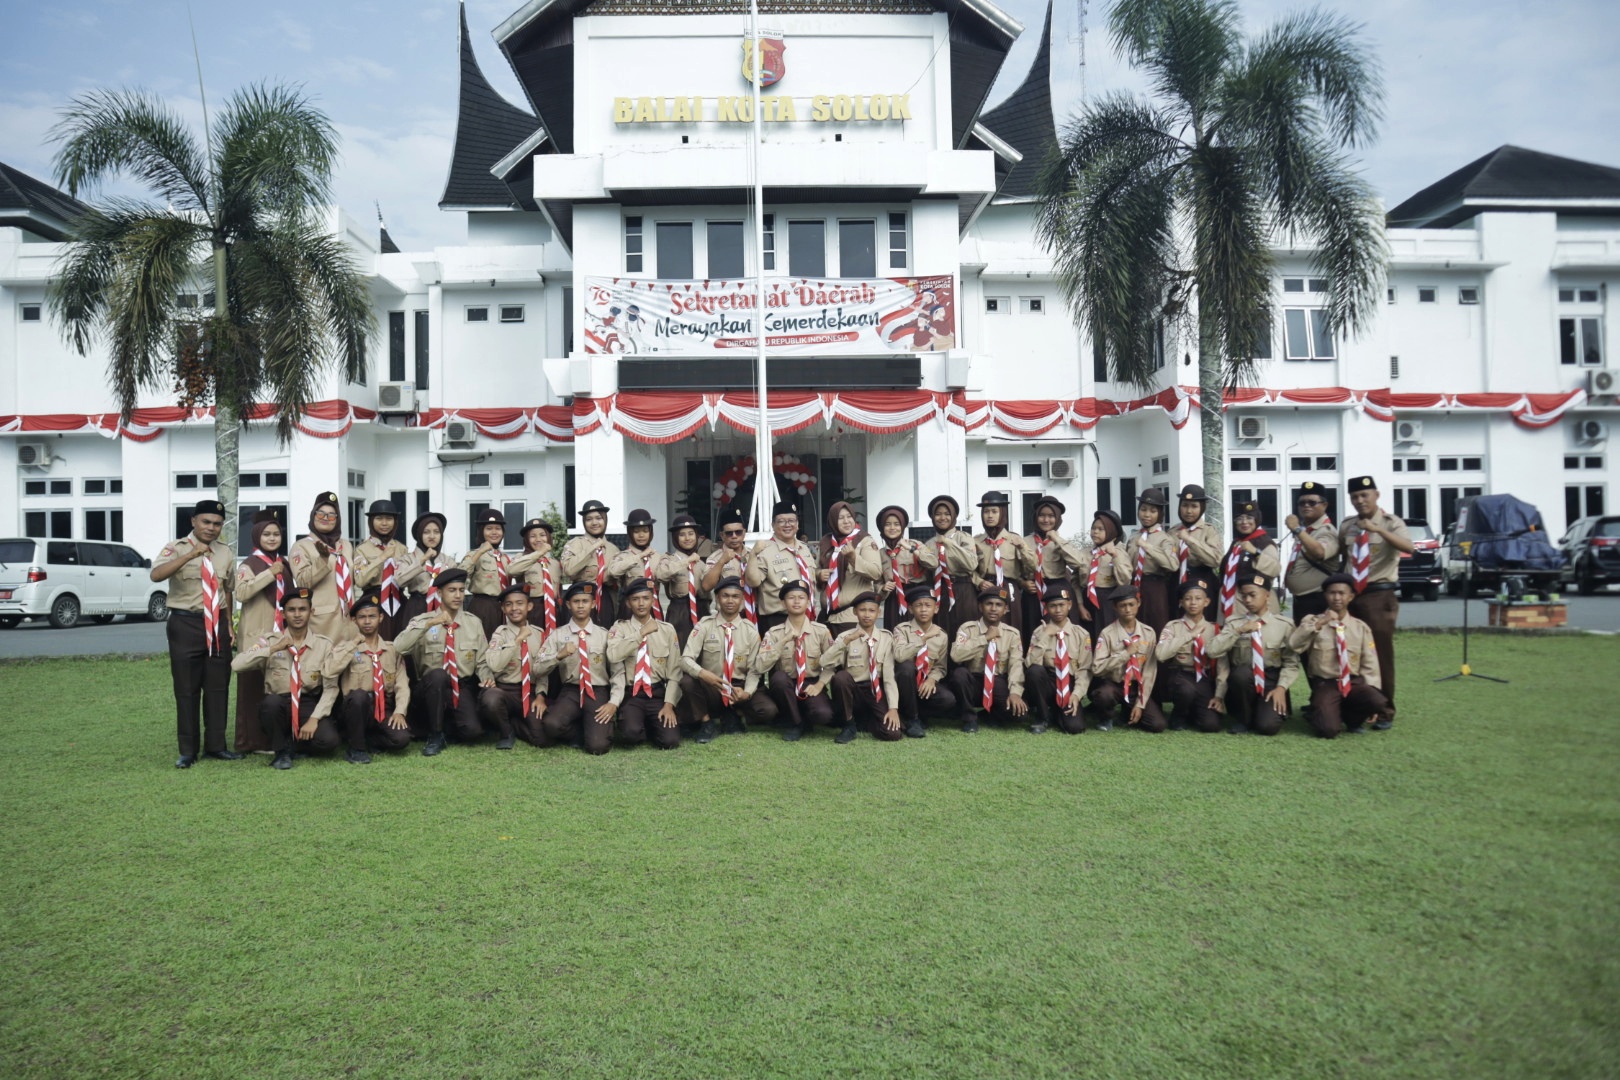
(227, 409)
(1211, 421)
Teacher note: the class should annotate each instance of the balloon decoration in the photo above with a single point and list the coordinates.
(791, 475)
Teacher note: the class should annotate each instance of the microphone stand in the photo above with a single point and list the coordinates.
(1467, 672)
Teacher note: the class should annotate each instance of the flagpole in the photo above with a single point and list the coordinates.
(764, 495)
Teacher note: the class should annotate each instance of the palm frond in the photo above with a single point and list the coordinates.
(1329, 56)
(106, 132)
(1183, 45)
(1233, 257)
(276, 154)
(1340, 212)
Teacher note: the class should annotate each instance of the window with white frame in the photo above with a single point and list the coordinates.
(1571, 461)
(478, 314)
(999, 470)
(1461, 464)
(104, 486)
(899, 248)
(104, 524)
(768, 238)
(1032, 305)
(30, 312)
(1427, 294)
(674, 250)
(1410, 464)
(633, 240)
(357, 478)
(1468, 294)
(725, 254)
(1583, 500)
(511, 313)
(997, 305)
(1580, 326)
(1161, 465)
(195, 481)
(857, 249)
(807, 249)
(1306, 334)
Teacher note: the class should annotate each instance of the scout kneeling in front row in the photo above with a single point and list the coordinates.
(1059, 671)
(990, 664)
(921, 655)
(300, 683)
(860, 666)
(376, 692)
(645, 656)
(446, 646)
(1258, 667)
(1341, 663)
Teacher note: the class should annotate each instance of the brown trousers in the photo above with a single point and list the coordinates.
(638, 720)
(1107, 696)
(1331, 714)
(860, 706)
(1040, 690)
(565, 717)
(964, 609)
(816, 709)
(704, 700)
(914, 706)
(1245, 706)
(967, 687)
(275, 719)
(1189, 695)
(1379, 610)
(360, 724)
(1311, 603)
(679, 615)
(195, 674)
(500, 708)
(431, 702)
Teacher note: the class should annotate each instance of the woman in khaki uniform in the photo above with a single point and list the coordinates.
(424, 564)
(1153, 559)
(262, 579)
(905, 562)
(488, 571)
(853, 555)
(1103, 567)
(323, 563)
(541, 575)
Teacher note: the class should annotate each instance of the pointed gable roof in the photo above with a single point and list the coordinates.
(1511, 178)
(1024, 120)
(487, 128)
(27, 203)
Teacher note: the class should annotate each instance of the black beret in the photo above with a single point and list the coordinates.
(577, 588)
(449, 577)
(1338, 579)
(521, 590)
(266, 515)
(1057, 590)
(208, 506)
(1255, 578)
(792, 586)
(728, 583)
(298, 593)
(991, 592)
(919, 590)
(327, 498)
(784, 507)
(1362, 483)
(1197, 583)
(733, 516)
(637, 585)
(1122, 592)
(1310, 487)
(369, 598)
(1245, 506)
(865, 598)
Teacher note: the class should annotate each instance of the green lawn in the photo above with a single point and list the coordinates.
(1442, 900)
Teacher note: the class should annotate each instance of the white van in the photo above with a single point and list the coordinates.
(66, 580)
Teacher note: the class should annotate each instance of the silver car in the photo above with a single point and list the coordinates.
(66, 581)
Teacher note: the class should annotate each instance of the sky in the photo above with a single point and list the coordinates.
(1460, 79)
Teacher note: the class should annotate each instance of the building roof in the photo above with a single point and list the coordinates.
(487, 128)
(31, 204)
(1025, 121)
(1511, 178)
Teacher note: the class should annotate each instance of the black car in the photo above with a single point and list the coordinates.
(1591, 550)
(1420, 572)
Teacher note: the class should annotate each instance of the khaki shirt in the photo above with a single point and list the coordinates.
(1017, 558)
(1267, 560)
(531, 570)
(776, 648)
(632, 563)
(354, 657)
(1111, 571)
(1176, 644)
(579, 558)
(670, 572)
(908, 562)
(772, 565)
(369, 559)
(318, 669)
(329, 617)
(910, 641)
(1302, 578)
(706, 650)
(503, 659)
(561, 653)
(1056, 556)
(853, 652)
(974, 638)
(731, 565)
(860, 570)
(185, 586)
(484, 571)
(1232, 646)
(1317, 645)
(663, 653)
(257, 594)
(417, 574)
(1163, 554)
(960, 555)
(1043, 652)
(1204, 545)
(1384, 559)
(425, 644)
(1113, 653)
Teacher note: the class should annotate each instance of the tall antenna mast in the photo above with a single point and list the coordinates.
(764, 472)
(1078, 39)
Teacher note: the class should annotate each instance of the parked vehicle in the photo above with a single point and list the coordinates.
(1497, 537)
(1420, 571)
(66, 580)
(1591, 549)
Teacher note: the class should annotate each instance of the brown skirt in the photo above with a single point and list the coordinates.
(250, 736)
(488, 610)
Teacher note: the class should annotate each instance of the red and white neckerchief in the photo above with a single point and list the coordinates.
(995, 557)
(899, 582)
(834, 571)
(1040, 564)
(1141, 556)
(502, 560)
(295, 685)
(728, 666)
(1229, 579)
(1133, 667)
(925, 666)
(378, 690)
(525, 674)
(647, 572)
(210, 591)
(1342, 647)
(642, 683)
(1257, 650)
(1299, 549)
(281, 590)
(1091, 577)
(751, 605)
(342, 577)
(1361, 560)
(806, 577)
(1181, 558)
(944, 587)
(801, 664)
(692, 589)
(1200, 658)
(390, 587)
(452, 666)
(872, 673)
(587, 687)
(601, 578)
(1065, 678)
(991, 660)
(433, 570)
(548, 598)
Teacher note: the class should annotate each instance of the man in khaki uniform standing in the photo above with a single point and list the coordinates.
(777, 560)
(199, 570)
(1372, 543)
(1316, 551)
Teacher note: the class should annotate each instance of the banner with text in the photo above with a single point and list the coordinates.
(639, 317)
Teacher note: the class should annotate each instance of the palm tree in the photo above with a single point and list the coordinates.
(237, 219)
(1164, 211)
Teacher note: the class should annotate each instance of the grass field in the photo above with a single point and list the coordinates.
(1439, 901)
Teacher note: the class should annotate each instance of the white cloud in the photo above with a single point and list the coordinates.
(297, 34)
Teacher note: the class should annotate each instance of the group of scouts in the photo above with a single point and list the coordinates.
(366, 645)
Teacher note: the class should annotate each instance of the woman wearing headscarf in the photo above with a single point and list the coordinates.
(681, 574)
(905, 562)
(1253, 551)
(849, 566)
(1153, 560)
(1055, 559)
(541, 574)
(955, 559)
(377, 561)
(1005, 560)
(1103, 565)
(424, 564)
(323, 562)
(488, 571)
(262, 579)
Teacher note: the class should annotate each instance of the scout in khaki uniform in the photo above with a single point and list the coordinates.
(1316, 550)
(1188, 670)
(262, 579)
(989, 665)
(906, 562)
(637, 562)
(728, 560)
(720, 670)
(644, 654)
(922, 653)
(323, 563)
(1059, 665)
(1259, 665)
(1252, 552)
(955, 561)
(540, 573)
(199, 569)
(424, 564)
(377, 563)
(587, 558)
(1199, 548)
(1371, 543)
(1124, 667)
(680, 573)
(511, 694)
(1054, 558)
(1152, 560)
(1341, 665)
(860, 667)
(789, 663)
(301, 672)
(848, 565)
(773, 562)
(489, 570)
(446, 646)
(1005, 561)
(1106, 567)
(375, 689)
(584, 708)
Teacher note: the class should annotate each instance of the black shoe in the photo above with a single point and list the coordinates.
(1383, 725)
(1176, 725)
(282, 760)
(1238, 729)
(792, 733)
(224, 755)
(1038, 728)
(915, 730)
(1106, 725)
(357, 757)
(186, 761)
(846, 736)
(971, 725)
(706, 733)
(1357, 730)
(506, 742)
(731, 724)
(435, 745)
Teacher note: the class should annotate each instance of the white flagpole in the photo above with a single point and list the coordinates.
(764, 473)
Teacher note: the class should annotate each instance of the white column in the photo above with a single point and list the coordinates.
(599, 471)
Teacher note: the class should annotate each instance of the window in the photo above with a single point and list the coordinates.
(54, 524)
(807, 249)
(674, 249)
(1426, 294)
(1105, 494)
(104, 487)
(1032, 305)
(897, 242)
(1127, 494)
(1412, 503)
(513, 479)
(725, 250)
(1302, 285)
(1461, 464)
(421, 350)
(632, 245)
(186, 300)
(478, 480)
(30, 313)
(1299, 463)
(1571, 461)
(999, 470)
(1389, 294)
(34, 487)
(768, 241)
(570, 493)
(1158, 346)
(997, 305)
(857, 249)
(186, 480)
(1580, 500)
(1266, 499)
(511, 313)
(194, 481)
(1328, 462)
(1449, 497)
(104, 525)
(513, 513)
(1580, 341)
(1306, 333)
(62, 487)
(396, 346)
(398, 499)
(249, 479)
(357, 517)
(1262, 341)
(1468, 294)
(357, 478)
(478, 314)
(1099, 361)
(1161, 465)
(1031, 470)
(275, 479)
(1240, 464)
(567, 322)
(1577, 296)
(1394, 367)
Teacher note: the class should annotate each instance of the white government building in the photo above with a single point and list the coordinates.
(584, 342)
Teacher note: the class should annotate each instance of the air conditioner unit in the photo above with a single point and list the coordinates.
(1604, 382)
(1062, 468)
(1251, 428)
(1408, 431)
(34, 455)
(1588, 432)
(396, 398)
(460, 433)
